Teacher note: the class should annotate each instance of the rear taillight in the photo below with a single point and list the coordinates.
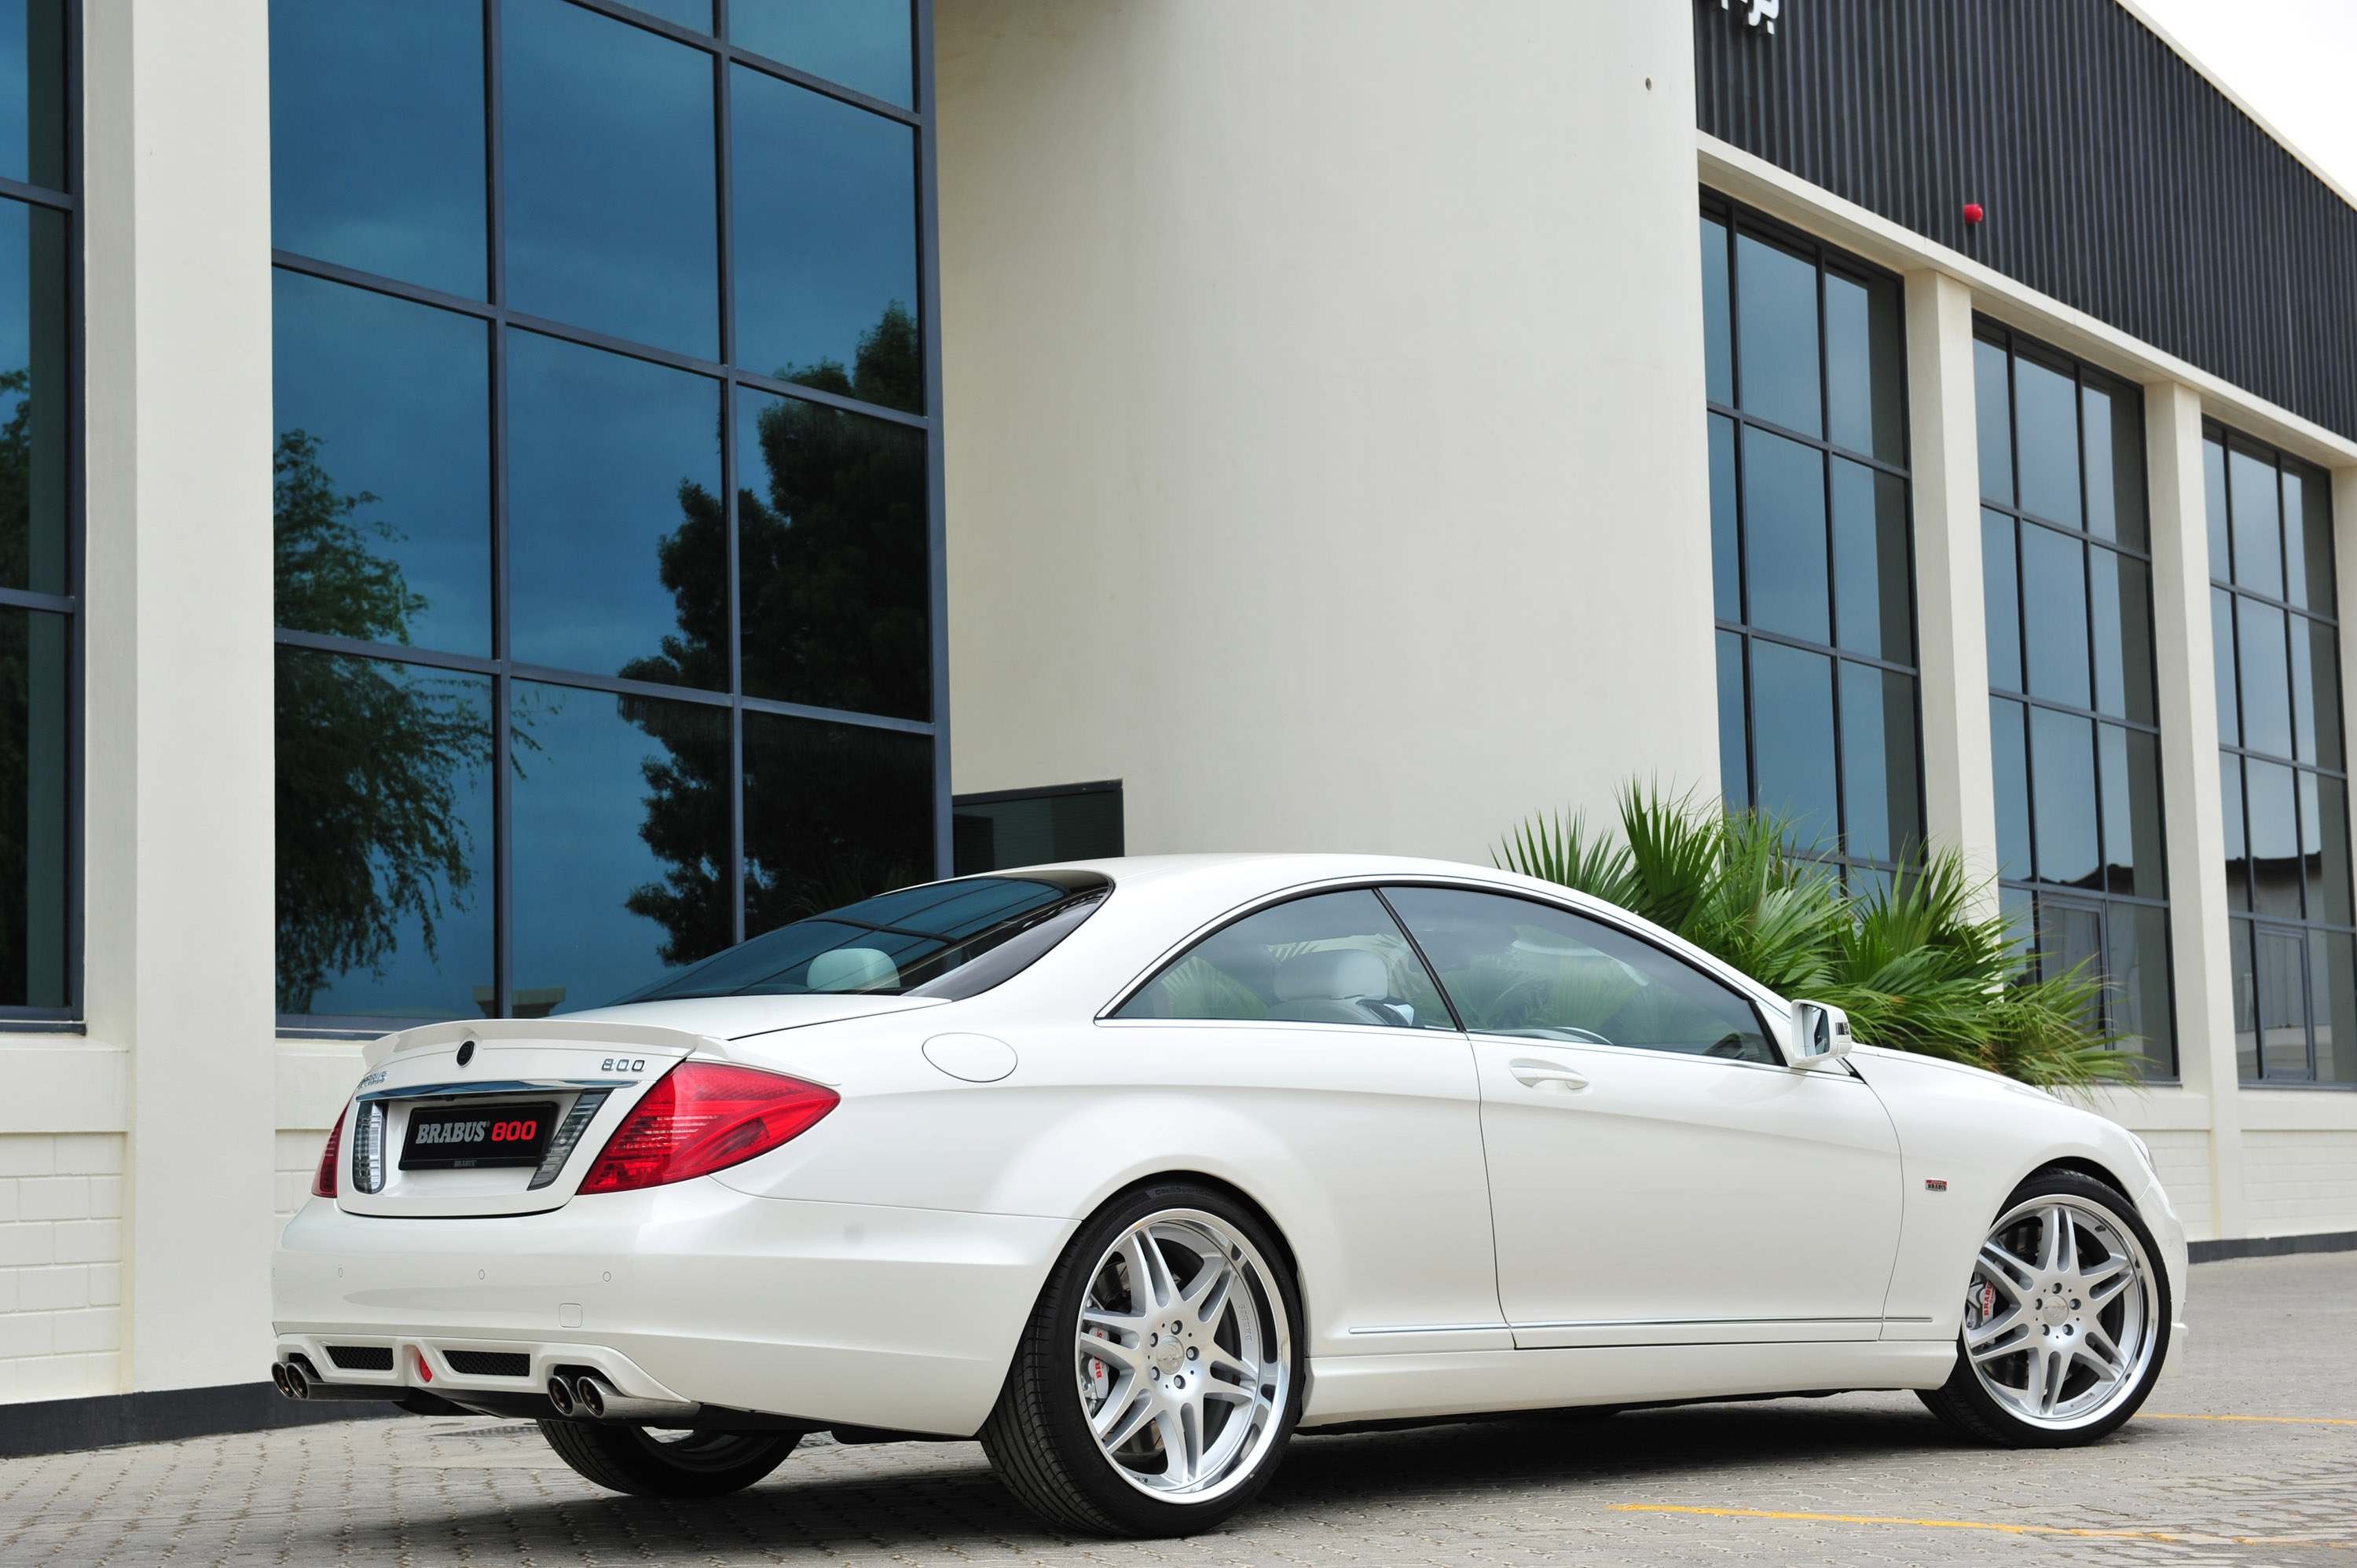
(701, 1117)
(324, 1184)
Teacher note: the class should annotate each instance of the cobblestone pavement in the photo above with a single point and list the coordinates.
(1858, 1479)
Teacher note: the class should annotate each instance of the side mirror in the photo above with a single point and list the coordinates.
(1820, 1035)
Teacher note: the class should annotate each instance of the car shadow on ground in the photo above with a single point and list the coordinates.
(942, 1497)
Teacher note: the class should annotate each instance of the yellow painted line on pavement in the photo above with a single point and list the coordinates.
(1979, 1524)
(2279, 1419)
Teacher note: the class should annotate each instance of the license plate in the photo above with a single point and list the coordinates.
(476, 1138)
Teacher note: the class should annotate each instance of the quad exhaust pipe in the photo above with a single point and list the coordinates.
(588, 1397)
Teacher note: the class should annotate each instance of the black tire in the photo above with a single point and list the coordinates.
(1966, 1402)
(1039, 1437)
(692, 1464)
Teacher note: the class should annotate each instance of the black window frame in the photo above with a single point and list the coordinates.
(501, 321)
(1740, 220)
(2245, 923)
(2025, 890)
(68, 1016)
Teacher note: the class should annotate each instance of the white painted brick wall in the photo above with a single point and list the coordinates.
(2297, 1181)
(2181, 1156)
(60, 1264)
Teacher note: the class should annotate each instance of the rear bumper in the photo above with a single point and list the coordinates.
(836, 1313)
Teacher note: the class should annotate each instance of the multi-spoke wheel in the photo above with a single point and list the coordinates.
(1158, 1379)
(2066, 1319)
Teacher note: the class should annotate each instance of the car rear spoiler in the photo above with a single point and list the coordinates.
(551, 1031)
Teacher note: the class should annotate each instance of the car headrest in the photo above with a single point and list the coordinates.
(853, 969)
(1334, 972)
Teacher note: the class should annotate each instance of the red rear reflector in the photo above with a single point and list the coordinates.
(324, 1184)
(701, 1117)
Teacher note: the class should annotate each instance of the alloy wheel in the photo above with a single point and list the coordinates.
(1184, 1357)
(2062, 1315)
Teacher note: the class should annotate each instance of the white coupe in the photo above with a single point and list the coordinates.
(1132, 1168)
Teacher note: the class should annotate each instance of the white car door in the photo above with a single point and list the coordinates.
(1656, 1175)
(1313, 1033)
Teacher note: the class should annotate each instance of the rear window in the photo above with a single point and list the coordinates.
(915, 941)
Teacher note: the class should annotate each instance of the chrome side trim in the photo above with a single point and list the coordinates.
(495, 1086)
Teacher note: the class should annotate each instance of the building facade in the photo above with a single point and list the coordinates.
(499, 499)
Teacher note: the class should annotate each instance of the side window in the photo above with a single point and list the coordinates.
(1332, 958)
(1515, 967)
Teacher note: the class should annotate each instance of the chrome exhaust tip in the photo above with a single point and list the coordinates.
(299, 1387)
(561, 1396)
(599, 1401)
(590, 1397)
(278, 1376)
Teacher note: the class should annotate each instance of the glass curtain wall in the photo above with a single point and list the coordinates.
(2067, 576)
(2277, 642)
(605, 575)
(1810, 542)
(39, 509)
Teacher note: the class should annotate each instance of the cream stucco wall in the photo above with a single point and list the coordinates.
(1322, 392)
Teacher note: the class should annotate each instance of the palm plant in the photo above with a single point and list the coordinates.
(1914, 963)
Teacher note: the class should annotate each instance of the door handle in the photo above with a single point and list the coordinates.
(1555, 1076)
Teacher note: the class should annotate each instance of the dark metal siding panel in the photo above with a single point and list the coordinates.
(2115, 178)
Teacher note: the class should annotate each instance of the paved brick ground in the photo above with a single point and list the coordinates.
(2273, 1339)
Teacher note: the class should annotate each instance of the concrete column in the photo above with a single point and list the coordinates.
(1959, 779)
(180, 923)
(2195, 820)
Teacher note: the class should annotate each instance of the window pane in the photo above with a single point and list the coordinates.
(1734, 755)
(2246, 999)
(621, 807)
(2009, 747)
(1879, 790)
(2238, 869)
(696, 13)
(1515, 967)
(1993, 420)
(2213, 493)
(2332, 990)
(610, 200)
(833, 813)
(2328, 888)
(2259, 525)
(2222, 659)
(2266, 678)
(2296, 540)
(383, 411)
(2132, 846)
(2123, 601)
(2071, 940)
(2314, 508)
(863, 44)
(1725, 546)
(1792, 740)
(1863, 368)
(376, 137)
(618, 552)
(832, 558)
(1776, 314)
(1338, 958)
(33, 92)
(2137, 963)
(384, 839)
(2062, 782)
(36, 652)
(1718, 367)
(2303, 689)
(2102, 500)
(2274, 837)
(35, 401)
(825, 226)
(2054, 613)
(1870, 562)
(2324, 710)
(2283, 1005)
(2046, 425)
(2001, 600)
(1784, 536)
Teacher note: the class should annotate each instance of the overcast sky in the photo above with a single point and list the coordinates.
(2295, 62)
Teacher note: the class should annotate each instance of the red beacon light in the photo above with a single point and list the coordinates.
(1972, 213)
